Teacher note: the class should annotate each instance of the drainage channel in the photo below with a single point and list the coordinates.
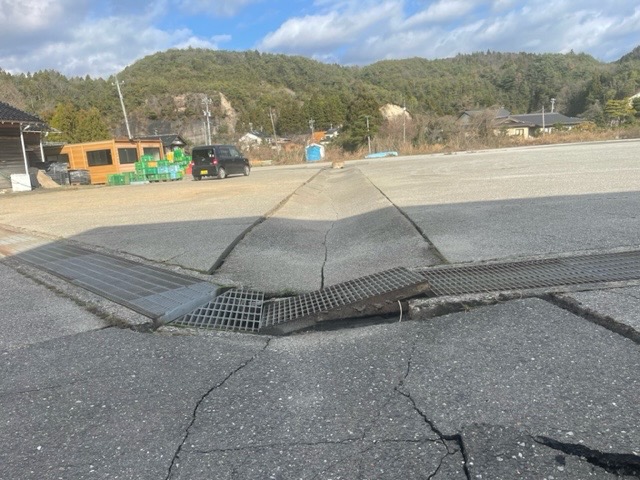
(533, 274)
(154, 292)
(246, 310)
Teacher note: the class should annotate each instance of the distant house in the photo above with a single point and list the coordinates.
(532, 123)
(524, 125)
(253, 138)
(21, 137)
(170, 141)
(330, 134)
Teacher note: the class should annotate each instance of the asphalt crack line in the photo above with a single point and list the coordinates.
(610, 323)
(326, 247)
(616, 463)
(417, 227)
(445, 440)
(194, 415)
(232, 245)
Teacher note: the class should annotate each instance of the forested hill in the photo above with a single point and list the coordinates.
(168, 87)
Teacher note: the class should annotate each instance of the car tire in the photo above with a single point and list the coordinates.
(247, 170)
(197, 177)
(222, 173)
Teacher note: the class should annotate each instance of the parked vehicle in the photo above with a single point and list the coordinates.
(218, 161)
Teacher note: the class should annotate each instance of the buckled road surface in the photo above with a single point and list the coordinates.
(515, 383)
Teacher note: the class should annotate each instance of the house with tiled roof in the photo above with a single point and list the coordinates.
(545, 122)
(21, 135)
(524, 125)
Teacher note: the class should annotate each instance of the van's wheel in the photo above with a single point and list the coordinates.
(197, 177)
(247, 170)
(222, 173)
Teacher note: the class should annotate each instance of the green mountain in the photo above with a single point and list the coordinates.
(165, 92)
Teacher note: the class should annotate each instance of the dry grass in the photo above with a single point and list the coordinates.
(294, 154)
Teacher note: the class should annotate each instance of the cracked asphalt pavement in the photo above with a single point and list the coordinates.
(530, 388)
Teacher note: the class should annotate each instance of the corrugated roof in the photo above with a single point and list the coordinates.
(12, 114)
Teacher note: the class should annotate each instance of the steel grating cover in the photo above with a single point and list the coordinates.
(286, 310)
(533, 274)
(157, 293)
(236, 309)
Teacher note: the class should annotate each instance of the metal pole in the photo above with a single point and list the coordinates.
(543, 126)
(368, 136)
(273, 125)
(124, 111)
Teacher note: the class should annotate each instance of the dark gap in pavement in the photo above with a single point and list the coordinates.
(615, 463)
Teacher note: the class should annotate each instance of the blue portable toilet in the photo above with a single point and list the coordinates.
(314, 152)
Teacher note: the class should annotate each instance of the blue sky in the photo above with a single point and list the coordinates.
(100, 38)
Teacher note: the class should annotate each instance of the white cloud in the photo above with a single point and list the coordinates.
(446, 28)
(225, 8)
(79, 37)
(316, 33)
(24, 23)
(441, 11)
(98, 47)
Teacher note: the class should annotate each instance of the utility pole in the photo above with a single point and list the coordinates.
(273, 125)
(368, 136)
(124, 112)
(404, 121)
(311, 122)
(206, 102)
(543, 125)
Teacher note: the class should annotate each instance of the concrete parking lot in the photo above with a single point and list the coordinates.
(521, 388)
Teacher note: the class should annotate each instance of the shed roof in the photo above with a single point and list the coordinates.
(14, 115)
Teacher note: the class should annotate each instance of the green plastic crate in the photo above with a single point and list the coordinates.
(115, 179)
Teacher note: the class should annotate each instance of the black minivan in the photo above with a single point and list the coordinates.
(218, 161)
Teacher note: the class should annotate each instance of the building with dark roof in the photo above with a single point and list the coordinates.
(524, 125)
(20, 143)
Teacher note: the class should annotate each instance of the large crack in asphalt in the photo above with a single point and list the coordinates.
(194, 414)
(452, 443)
(624, 464)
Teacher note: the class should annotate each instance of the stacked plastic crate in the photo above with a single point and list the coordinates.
(148, 169)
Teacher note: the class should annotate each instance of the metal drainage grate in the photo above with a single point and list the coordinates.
(236, 309)
(157, 293)
(371, 288)
(524, 275)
